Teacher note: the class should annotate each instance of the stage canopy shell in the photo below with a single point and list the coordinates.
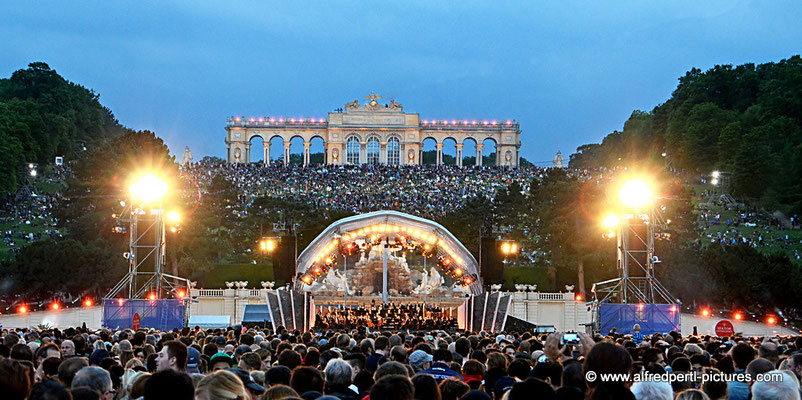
(423, 229)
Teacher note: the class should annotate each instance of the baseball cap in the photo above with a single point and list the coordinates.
(221, 357)
(502, 385)
(193, 358)
(247, 380)
(419, 357)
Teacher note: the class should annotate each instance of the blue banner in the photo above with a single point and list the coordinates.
(652, 318)
(164, 314)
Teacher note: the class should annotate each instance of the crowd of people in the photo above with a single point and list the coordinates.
(28, 215)
(768, 230)
(427, 191)
(340, 364)
(417, 316)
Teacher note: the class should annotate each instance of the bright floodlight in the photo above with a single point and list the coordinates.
(635, 193)
(716, 174)
(714, 181)
(174, 216)
(611, 221)
(149, 188)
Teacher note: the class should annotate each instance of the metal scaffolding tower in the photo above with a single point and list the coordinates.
(146, 256)
(636, 259)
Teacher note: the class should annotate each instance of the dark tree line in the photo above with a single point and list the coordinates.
(43, 115)
(745, 120)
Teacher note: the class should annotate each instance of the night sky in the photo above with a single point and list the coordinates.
(570, 72)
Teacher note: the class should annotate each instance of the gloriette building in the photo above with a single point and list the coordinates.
(372, 133)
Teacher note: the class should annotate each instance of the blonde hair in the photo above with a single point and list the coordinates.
(222, 385)
(279, 392)
(134, 362)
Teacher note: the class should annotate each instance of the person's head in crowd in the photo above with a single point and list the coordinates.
(757, 367)
(16, 378)
(769, 351)
(420, 360)
(49, 390)
(716, 389)
(531, 388)
(520, 369)
(742, 354)
(692, 394)
(390, 368)
(220, 361)
(496, 360)
(169, 384)
(222, 385)
(681, 364)
(573, 375)
(393, 387)
(254, 389)
(607, 358)
(795, 362)
(279, 375)
(279, 392)
(652, 356)
(338, 376)
(307, 379)
(398, 353)
(193, 361)
(85, 393)
(95, 378)
(776, 385)
(50, 350)
(425, 387)
(653, 390)
(250, 362)
(452, 389)
(21, 352)
(173, 355)
(473, 372)
(69, 367)
(289, 359)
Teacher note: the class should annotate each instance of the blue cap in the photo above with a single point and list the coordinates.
(193, 358)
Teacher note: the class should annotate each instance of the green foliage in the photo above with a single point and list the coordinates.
(68, 266)
(43, 115)
(218, 275)
(745, 120)
(733, 277)
(528, 275)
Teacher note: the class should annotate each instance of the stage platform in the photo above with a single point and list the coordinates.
(444, 302)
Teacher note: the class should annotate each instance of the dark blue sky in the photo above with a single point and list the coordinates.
(571, 72)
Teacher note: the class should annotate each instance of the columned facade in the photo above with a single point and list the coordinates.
(372, 133)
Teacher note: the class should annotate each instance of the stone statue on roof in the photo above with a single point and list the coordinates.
(558, 160)
(187, 158)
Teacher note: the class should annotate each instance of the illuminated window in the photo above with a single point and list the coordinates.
(373, 150)
(393, 151)
(352, 150)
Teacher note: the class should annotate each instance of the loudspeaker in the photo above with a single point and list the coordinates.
(491, 262)
(284, 260)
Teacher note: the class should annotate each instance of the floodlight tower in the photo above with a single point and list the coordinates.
(147, 244)
(635, 230)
